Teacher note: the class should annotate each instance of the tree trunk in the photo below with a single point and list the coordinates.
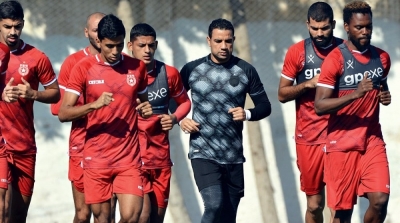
(260, 165)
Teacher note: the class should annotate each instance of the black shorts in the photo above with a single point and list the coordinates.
(208, 173)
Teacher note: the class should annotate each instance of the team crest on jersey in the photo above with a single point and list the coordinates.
(23, 69)
(130, 79)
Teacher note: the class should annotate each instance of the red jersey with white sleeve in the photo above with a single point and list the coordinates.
(356, 126)
(111, 131)
(310, 128)
(4, 59)
(78, 130)
(154, 142)
(17, 118)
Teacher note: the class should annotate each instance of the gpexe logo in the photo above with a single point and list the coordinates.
(352, 79)
(310, 73)
(159, 93)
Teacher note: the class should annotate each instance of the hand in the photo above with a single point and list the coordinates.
(189, 126)
(313, 82)
(10, 93)
(25, 90)
(384, 97)
(105, 99)
(238, 114)
(167, 121)
(144, 109)
(364, 86)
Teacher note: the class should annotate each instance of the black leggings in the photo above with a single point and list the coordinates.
(219, 205)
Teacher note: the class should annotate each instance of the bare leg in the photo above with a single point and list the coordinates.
(82, 210)
(102, 212)
(315, 207)
(130, 207)
(146, 210)
(377, 209)
(343, 216)
(113, 207)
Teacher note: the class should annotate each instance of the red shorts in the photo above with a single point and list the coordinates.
(310, 161)
(100, 184)
(4, 172)
(75, 172)
(21, 171)
(353, 173)
(158, 181)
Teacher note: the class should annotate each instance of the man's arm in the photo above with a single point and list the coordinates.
(70, 112)
(50, 94)
(325, 104)
(385, 97)
(288, 92)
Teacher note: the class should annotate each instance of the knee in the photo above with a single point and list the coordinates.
(82, 216)
(379, 201)
(214, 206)
(315, 207)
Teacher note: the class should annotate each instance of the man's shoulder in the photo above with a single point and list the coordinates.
(243, 64)
(169, 68)
(197, 62)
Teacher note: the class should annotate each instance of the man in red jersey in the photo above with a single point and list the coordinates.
(303, 65)
(110, 83)
(27, 68)
(4, 59)
(78, 131)
(353, 82)
(164, 83)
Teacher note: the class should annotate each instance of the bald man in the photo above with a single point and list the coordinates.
(78, 131)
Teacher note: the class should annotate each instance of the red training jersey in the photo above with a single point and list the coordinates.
(355, 126)
(154, 142)
(78, 130)
(111, 131)
(17, 118)
(310, 128)
(4, 59)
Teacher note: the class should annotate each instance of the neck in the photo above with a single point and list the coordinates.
(150, 66)
(92, 50)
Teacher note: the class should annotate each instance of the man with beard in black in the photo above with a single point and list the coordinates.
(302, 65)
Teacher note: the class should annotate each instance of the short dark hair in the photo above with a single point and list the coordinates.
(320, 11)
(355, 7)
(142, 29)
(110, 27)
(11, 10)
(220, 24)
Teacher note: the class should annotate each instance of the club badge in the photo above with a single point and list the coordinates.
(130, 79)
(23, 69)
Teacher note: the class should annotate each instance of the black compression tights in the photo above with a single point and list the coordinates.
(219, 205)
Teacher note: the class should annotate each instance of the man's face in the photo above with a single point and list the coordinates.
(321, 32)
(359, 30)
(111, 49)
(221, 44)
(10, 32)
(91, 31)
(143, 48)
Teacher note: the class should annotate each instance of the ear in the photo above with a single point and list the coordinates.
(209, 41)
(86, 32)
(129, 45)
(333, 24)
(98, 41)
(346, 27)
(155, 45)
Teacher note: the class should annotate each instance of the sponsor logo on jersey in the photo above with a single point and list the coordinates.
(310, 73)
(352, 79)
(23, 69)
(140, 187)
(159, 93)
(130, 79)
(96, 82)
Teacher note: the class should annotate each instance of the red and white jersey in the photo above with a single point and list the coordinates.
(111, 131)
(17, 118)
(78, 127)
(357, 124)
(154, 142)
(310, 128)
(4, 59)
